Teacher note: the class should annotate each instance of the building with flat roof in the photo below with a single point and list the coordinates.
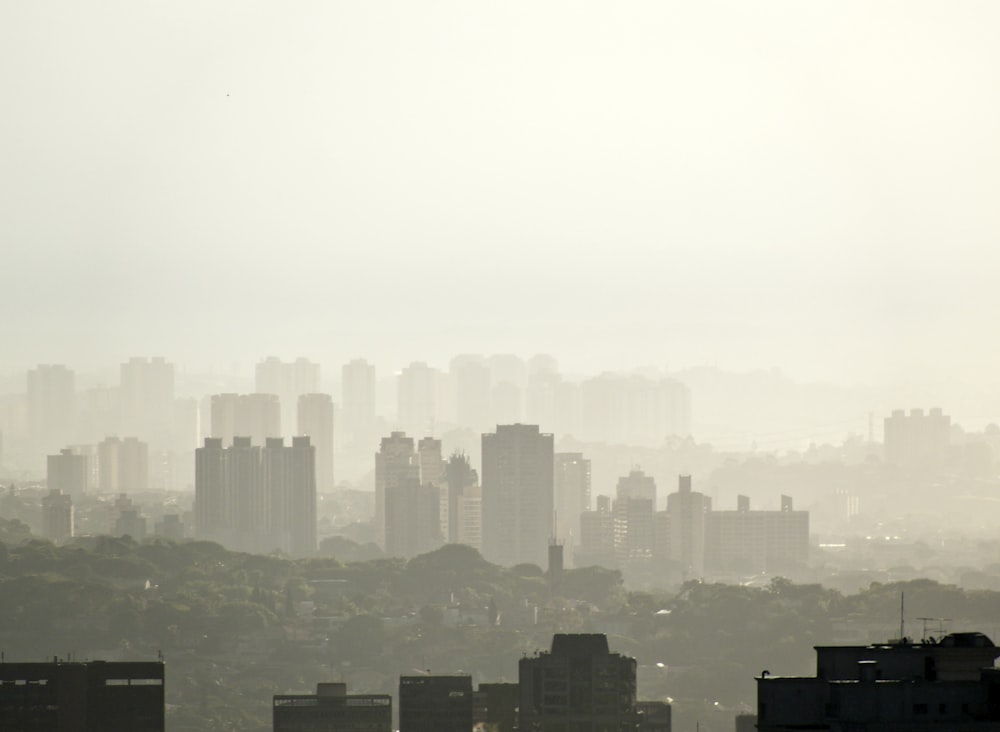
(435, 703)
(935, 684)
(332, 709)
(96, 696)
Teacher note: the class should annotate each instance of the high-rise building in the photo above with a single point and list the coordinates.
(315, 416)
(572, 494)
(82, 697)
(687, 514)
(495, 707)
(412, 519)
(57, 516)
(471, 378)
(756, 541)
(634, 509)
(122, 465)
(257, 499)
(460, 478)
(579, 684)
(432, 472)
(416, 397)
(396, 464)
(469, 517)
(332, 709)
(288, 380)
(51, 407)
(597, 536)
(257, 416)
(517, 494)
(67, 472)
(917, 440)
(634, 410)
(435, 703)
(146, 398)
(358, 398)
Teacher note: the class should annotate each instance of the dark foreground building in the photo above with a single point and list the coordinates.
(903, 686)
(98, 696)
(332, 709)
(435, 703)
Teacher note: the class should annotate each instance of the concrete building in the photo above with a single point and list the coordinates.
(634, 508)
(257, 416)
(96, 696)
(358, 399)
(332, 709)
(412, 519)
(902, 686)
(577, 685)
(495, 707)
(597, 536)
(460, 480)
(57, 516)
(416, 397)
(315, 419)
(122, 465)
(146, 399)
(517, 494)
(756, 541)
(469, 518)
(917, 440)
(68, 472)
(633, 410)
(471, 379)
(685, 524)
(435, 703)
(396, 464)
(571, 494)
(51, 407)
(287, 380)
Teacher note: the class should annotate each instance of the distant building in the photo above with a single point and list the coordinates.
(358, 398)
(51, 407)
(396, 464)
(332, 709)
(756, 541)
(287, 380)
(517, 494)
(170, 527)
(903, 686)
(432, 472)
(57, 516)
(579, 684)
(917, 440)
(82, 697)
(571, 494)
(129, 520)
(315, 420)
(122, 465)
(634, 508)
(472, 379)
(68, 472)
(416, 397)
(257, 416)
(435, 703)
(412, 519)
(460, 480)
(469, 518)
(147, 400)
(686, 518)
(597, 536)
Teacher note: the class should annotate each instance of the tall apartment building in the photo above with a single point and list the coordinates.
(756, 541)
(257, 416)
(460, 480)
(633, 410)
(435, 703)
(597, 536)
(315, 419)
(254, 498)
(122, 465)
(396, 464)
(358, 399)
(578, 684)
(51, 407)
(68, 472)
(432, 472)
(288, 380)
(517, 480)
(416, 397)
(917, 440)
(471, 378)
(686, 518)
(146, 400)
(82, 697)
(571, 494)
(332, 709)
(634, 509)
(469, 518)
(57, 516)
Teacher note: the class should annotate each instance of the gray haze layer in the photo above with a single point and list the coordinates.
(810, 185)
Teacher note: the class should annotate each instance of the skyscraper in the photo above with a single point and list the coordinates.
(572, 494)
(257, 416)
(315, 417)
(396, 464)
(432, 472)
(471, 378)
(358, 398)
(51, 407)
(686, 522)
(147, 400)
(122, 465)
(460, 479)
(634, 509)
(416, 397)
(288, 380)
(517, 494)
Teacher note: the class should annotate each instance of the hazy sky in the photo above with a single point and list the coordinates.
(812, 185)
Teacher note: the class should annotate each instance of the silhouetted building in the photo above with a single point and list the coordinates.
(903, 686)
(122, 465)
(578, 685)
(315, 418)
(396, 464)
(654, 716)
(460, 478)
(917, 440)
(67, 472)
(97, 696)
(432, 472)
(517, 494)
(746, 723)
(57, 516)
(435, 703)
(332, 709)
(495, 707)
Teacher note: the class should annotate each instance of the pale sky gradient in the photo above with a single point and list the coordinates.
(809, 185)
